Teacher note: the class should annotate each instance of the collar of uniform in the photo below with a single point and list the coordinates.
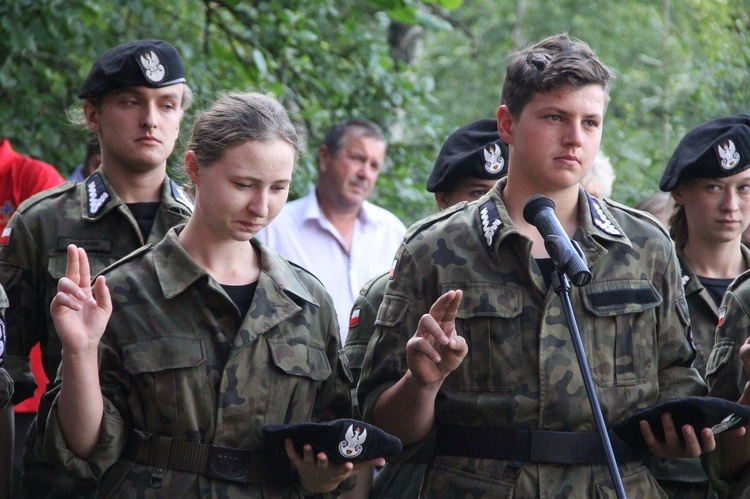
(99, 196)
(169, 255)
(690, 281)
(179, 195)
(602, 223)
(282, 273)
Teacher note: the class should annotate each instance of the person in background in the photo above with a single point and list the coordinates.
(91, 160)
(660, 205)
(239, 337)
(469, 164)
(600, 178)
(133, 99)
(470, 342)
(334, 232)
(20, 178)
(708, 177)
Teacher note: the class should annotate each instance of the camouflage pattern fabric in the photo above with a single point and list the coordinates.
(724, 372)
(521, 370)
(92, 216)
(397, 479)
(704, 313)
(178, 360)
(87, 214)
(685, 478)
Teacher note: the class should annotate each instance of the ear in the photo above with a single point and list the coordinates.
(91, 114)
(324, 156)
(192, 167)
(505, 124)
(442, 200)
(677, 196)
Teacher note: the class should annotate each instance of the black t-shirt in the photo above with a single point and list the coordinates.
(547, 266)
(241, 295)
(715, 287)
(144, 214)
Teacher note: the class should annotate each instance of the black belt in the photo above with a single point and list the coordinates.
(532, 446)
(212, 461)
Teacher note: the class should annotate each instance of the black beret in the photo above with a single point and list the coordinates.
(715, 149)
(143, 63)
(474, 150)
(699, 412)
(342, 440)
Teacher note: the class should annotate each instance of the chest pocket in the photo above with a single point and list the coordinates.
(169, 373)
(302, 367)
(620, 331)
(98, 251)
(490, 320)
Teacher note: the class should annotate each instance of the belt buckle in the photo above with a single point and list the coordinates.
(228, 464)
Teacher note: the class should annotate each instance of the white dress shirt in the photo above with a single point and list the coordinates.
(304, 236)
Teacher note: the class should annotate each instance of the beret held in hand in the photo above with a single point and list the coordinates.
(343, 440)
(700, 412)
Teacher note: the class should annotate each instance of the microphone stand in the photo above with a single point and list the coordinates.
(561, 285)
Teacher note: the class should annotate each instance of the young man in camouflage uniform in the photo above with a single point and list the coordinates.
(491, 370)
(133, 98)
(471, 160)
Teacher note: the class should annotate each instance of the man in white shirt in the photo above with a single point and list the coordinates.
(334, 232)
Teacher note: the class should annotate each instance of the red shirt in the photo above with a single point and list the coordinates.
(20, 178)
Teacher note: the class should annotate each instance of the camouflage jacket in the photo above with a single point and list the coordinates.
(362, 322)
(87, 214)
(521, 370)
(724, 372)
(704, 314)
(178, 360)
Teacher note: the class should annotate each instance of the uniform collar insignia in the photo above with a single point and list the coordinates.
(179, 195)
(685, 279)
(490, 221)
(600, 218)
(97, 194)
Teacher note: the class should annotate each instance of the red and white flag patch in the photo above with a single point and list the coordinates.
(5, 236)
(354, 318)
(393, 268)
(722, 313)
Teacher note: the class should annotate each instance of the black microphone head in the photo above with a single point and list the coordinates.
(534, 205)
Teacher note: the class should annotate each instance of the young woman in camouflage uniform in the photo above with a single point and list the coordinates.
(211, 337)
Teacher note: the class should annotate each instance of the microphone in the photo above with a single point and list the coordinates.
(539, 211)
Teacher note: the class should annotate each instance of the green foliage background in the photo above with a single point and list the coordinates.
(677, 64)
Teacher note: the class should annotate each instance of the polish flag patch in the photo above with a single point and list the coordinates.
(354, 318)
(5, 236)
(722, 313)
(393, 268)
